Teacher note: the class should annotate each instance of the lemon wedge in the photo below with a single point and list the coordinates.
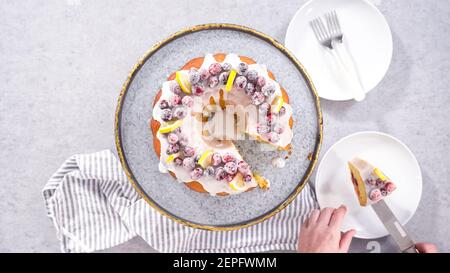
(230, 80)
(237, 184)
(170, 127)
(183, 82)
(205, 159)
(171, 157)
(277, 103)
(380, 174)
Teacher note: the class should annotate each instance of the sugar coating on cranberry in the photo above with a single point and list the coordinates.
(242, 68)
(179, 112)
(247, 178)
(194, 76)
(189, 163)
(226, 66)
(273, 137)
(240, 82)
(228, 157)
(209, 171)
(262, 129)
(257, 98)
(223, 77)
(230, 167)
(268, 89)
(188, 151)
(215, 68)
(252, 75)
(172, 138)
(278, 128)
(243, 167)
(175, 88)
(371, 181)
(216, 159)
(196, 173)
(197, 89)
(204, 74)
(389, 186)
(163, 104)
(220, 174)
(173, 148)
(183, 141)
(178, 161)
(166, 114)
(250, 88)
(264, 108)
(379, 182)
(213, 81)
(175, 100)
(187, 101)
(261, 81)
(375, 195)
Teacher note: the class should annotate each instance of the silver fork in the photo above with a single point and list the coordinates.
(331, 37)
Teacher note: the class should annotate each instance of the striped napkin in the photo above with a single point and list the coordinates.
(94, 207)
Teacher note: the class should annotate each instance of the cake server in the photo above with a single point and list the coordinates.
(394, 227)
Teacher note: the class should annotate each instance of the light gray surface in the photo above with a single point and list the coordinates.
(204, 209)
(62, 64)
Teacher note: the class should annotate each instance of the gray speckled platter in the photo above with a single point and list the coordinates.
(175, 200)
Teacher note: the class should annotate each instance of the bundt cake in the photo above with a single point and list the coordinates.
(206, 105)
(370, 183)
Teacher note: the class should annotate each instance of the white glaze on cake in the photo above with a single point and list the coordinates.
(192, 127)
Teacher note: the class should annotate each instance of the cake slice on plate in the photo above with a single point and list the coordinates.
(370, 183)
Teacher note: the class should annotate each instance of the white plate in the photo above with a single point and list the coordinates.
(366, 34)
(334, 187)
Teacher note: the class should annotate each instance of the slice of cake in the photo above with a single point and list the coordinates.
(370, 183)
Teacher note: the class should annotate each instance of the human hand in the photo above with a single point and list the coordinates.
(321, 232)
(426, 248)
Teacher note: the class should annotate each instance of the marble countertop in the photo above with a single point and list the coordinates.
(62, 64)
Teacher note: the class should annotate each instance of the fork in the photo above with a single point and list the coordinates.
(331, 37)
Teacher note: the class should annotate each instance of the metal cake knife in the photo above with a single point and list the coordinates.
(393, 226)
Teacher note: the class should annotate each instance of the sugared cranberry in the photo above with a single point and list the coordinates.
(243, 167)
(209, 171)
(375, 195)
(268, 89)
(178, 161)
(194, 76)
(250, 88)
(242, 68)
(213, 81)
(196, 173)
(261, 81)
(189, 163)
(240, 82)
(223, 77)
(379, 182)
(278, 128)
(215, 68)
(264, 108)
(389, 186)
(282, 111)
(175, 100)
(383, 192)
(226, 66)
(188, 151)
(183, 141)
(247, 178)
(173, 148)
(187, 101)
(197, 89)
(273, 137)
(179, 112)
(172, 138)
(370, 181)
(230, 167)
(166, 114)
(257, 98)
(216, 159)
(269, 118)
(262, 129)
(228, 157)
(175, 88)
(204, 74)
(252, 75)
(163, 104)
(220, 174)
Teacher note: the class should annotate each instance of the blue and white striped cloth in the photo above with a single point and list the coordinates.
(94, 207)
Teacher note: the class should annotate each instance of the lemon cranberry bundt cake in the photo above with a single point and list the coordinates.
(371, 185)
(193, 126)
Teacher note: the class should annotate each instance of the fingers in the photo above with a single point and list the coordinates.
(312, 219)
(337, 217)
(426, 248)
(346, 240)
(325, 216)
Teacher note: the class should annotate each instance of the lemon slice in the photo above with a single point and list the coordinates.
(230, 80)
(278, 103)
(379, 174)
(237, 184)
(170, 127)
(171, 157)
(183, 82)
(205, 159)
